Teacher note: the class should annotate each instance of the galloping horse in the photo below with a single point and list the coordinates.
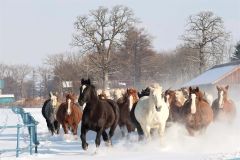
(223, 107)
(174, 107)
(98, 115)
(125, 104)
(69, 114)
(49, 110)
(197, 112)
(150, 112)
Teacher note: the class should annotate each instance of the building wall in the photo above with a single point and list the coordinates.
(231, 79)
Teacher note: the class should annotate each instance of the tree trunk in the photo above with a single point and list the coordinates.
(105, 80)
(202, 62)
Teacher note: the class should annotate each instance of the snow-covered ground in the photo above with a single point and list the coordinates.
(221, 141)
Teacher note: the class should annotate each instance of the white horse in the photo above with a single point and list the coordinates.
(152, 111)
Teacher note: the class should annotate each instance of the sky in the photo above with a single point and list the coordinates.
(32, 29)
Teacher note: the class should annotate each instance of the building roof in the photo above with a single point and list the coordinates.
(214, 74)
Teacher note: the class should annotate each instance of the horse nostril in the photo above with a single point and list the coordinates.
(158, 109)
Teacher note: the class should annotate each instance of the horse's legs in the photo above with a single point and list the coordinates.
(51, 126)
(56, 128)
(130, 127)
(146, 130)
(112, 129)
(106, 139)
(65, 128)
(122, 130)
(161, 129)
(83, 137)
(98, 137)
(190, 131)
(74, 128)
(57, 125)
(105, 136)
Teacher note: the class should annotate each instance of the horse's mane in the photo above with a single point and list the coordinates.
(155, 86)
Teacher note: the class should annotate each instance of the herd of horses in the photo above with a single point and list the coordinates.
(146, 111)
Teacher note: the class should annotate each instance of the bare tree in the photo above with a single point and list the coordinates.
(20, 72)
(100, 32)
(65, 67)
(3, 69)
(45, 75)
(236, 53)
(205, 32)
(133, 56)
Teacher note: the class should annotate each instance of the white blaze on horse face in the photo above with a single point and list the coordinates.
(54, 100)
(221, 100)
(130, 102)
(84, 105)
(158, 99)
(83, 87)
(69, 107)
(193, 105)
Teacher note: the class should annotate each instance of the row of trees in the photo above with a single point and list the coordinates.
(112, 49)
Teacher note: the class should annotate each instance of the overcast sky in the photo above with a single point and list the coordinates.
(32, 29)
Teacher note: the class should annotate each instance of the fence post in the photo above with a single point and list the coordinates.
(17, 149)
(31, 141)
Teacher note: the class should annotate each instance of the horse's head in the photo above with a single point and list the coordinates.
(169, 96)
(222, 94)
(86, 90)
(70, 99)
(195, 95)
(131, 92)
(54, 99)
(157, 96)
(181, 97)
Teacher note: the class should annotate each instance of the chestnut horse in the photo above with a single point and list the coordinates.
(69, 114)
(98, 115)
(125, 104)
(223, 107)
(197, 112)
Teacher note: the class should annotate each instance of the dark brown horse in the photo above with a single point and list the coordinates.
(98, 115)
(197, 112)
(69, 114)
(223, 107)
(125, 104)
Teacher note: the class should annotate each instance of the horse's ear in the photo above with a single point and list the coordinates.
(197, 89)
(227, 87)
(190, 89)
(50, 94)
(218, 88)
(82, 80)
(88, 81)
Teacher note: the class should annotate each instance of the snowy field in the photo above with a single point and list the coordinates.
(221, 141)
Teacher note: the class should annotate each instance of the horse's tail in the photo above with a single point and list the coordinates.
(117, 116)
(115, 108)
(135, 122)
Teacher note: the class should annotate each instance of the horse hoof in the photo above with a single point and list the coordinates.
(108, 143)
(140, 138)
(85, 146)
